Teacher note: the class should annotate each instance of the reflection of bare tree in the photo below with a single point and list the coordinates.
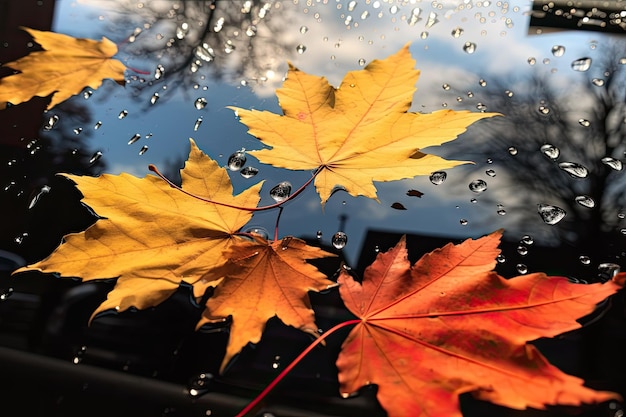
(550, 122)
(241, 41)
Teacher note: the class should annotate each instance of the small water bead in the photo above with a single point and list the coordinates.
(200, 384)
(78, 130)
(95, 157)
(512, 150)
(281, 191)
(432, 20)
(154, 98)
(490, 172)
(415, 16)
(621, 216)
(19, 239)
(531, 60)
(527, 240)
(319, 234)
(276, 363)
(159, 72)
(438, 177)
(574, 169)
(237, 160)
(482, 83)
(300, 49)
(489, 161)
(478, 186)
(6, 293)
(122, 114)
(481, 107)
(196, 125)
(200, 103)
(521, 268)
(470, 94)
(474, 201)
(582, 64)
(446, 86)
(550, 151)
(613, 163)
(361, 62)
(584, 259)
(469, 47)
(463, 222)
(87, 94)
(424, 35)
(584, 122)
(249, 172)
(508, 93)
(550, 214)
(251, 31)
(598, 82)
(339, 240)
(457, 32)
(558, 50)
(303, 29)
(585, 201)
(500, 259)
(500, 210)
(51, 122)
(522, 250)
(78, 358)
(544, 110)
(134, 139)
(143, 149)
(97, 125)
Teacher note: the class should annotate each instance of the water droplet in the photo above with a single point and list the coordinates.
(463, 222)
(251, 31)
(469, 47)
(415, 16)
(95, 157)
(550, 214)
(521, 268)
(122, 114)
(6, 294)
(134, 139)
(457, 32)
(424, 35)
(608, 270)
(196, 125)
(361, 62)
(522, 250)
(154, 98)
(432, 20)
(97, 125)
(574, 170)
(481, 107)
(200, 103)
(531, 60)
(159, 72)
(558, 50)
(438, 177)
(584, 122)
(339, 240)
(613, 163)
(598, 82)
(36, 197)
(584, 259)
(550, 151)
(501, 259)
(319, 234)
(19, 239)
(351, 5)
(478, 186)
(491, 172)
(258, 231)
(248, 172)
(527, 240)
(300, 49)
(87, 94)
(512, 150)
(276, 362)
(281, 191)
(143, 149)
(582, 64)
(501, 211)
(237, 160)
(200, 384)
(446, 86)
(78, 357)
(585, 201)
(78, 130)
(304, 29)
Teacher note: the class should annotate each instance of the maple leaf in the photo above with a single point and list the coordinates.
(63, 68)
(153, 236)
(263, 280)
(449, 325)
(357, 133)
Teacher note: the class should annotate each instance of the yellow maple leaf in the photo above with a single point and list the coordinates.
(64, 67)
(151, 235)
(358, 133)
(263, 280)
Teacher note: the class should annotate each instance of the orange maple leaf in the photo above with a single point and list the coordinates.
(358, 133)
(263, 280)
(449, 325)
(153, 236)
(63, 68)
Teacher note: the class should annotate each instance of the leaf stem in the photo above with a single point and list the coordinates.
(280, 211)
(154, 169)
(289, 367)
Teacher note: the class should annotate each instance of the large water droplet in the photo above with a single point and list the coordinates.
(550, 151)
(200, 384)
(237, 160)
(585, 201)
(339, 240)
(438, 177)
(582, 64)
(613, 163)
(134, 139)
(200, 103)
(550, 214)
(281, 192)
(478, 186)
(469, 47)
(558, 50)
(248, 172)
(258, 231)
(574, 170)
